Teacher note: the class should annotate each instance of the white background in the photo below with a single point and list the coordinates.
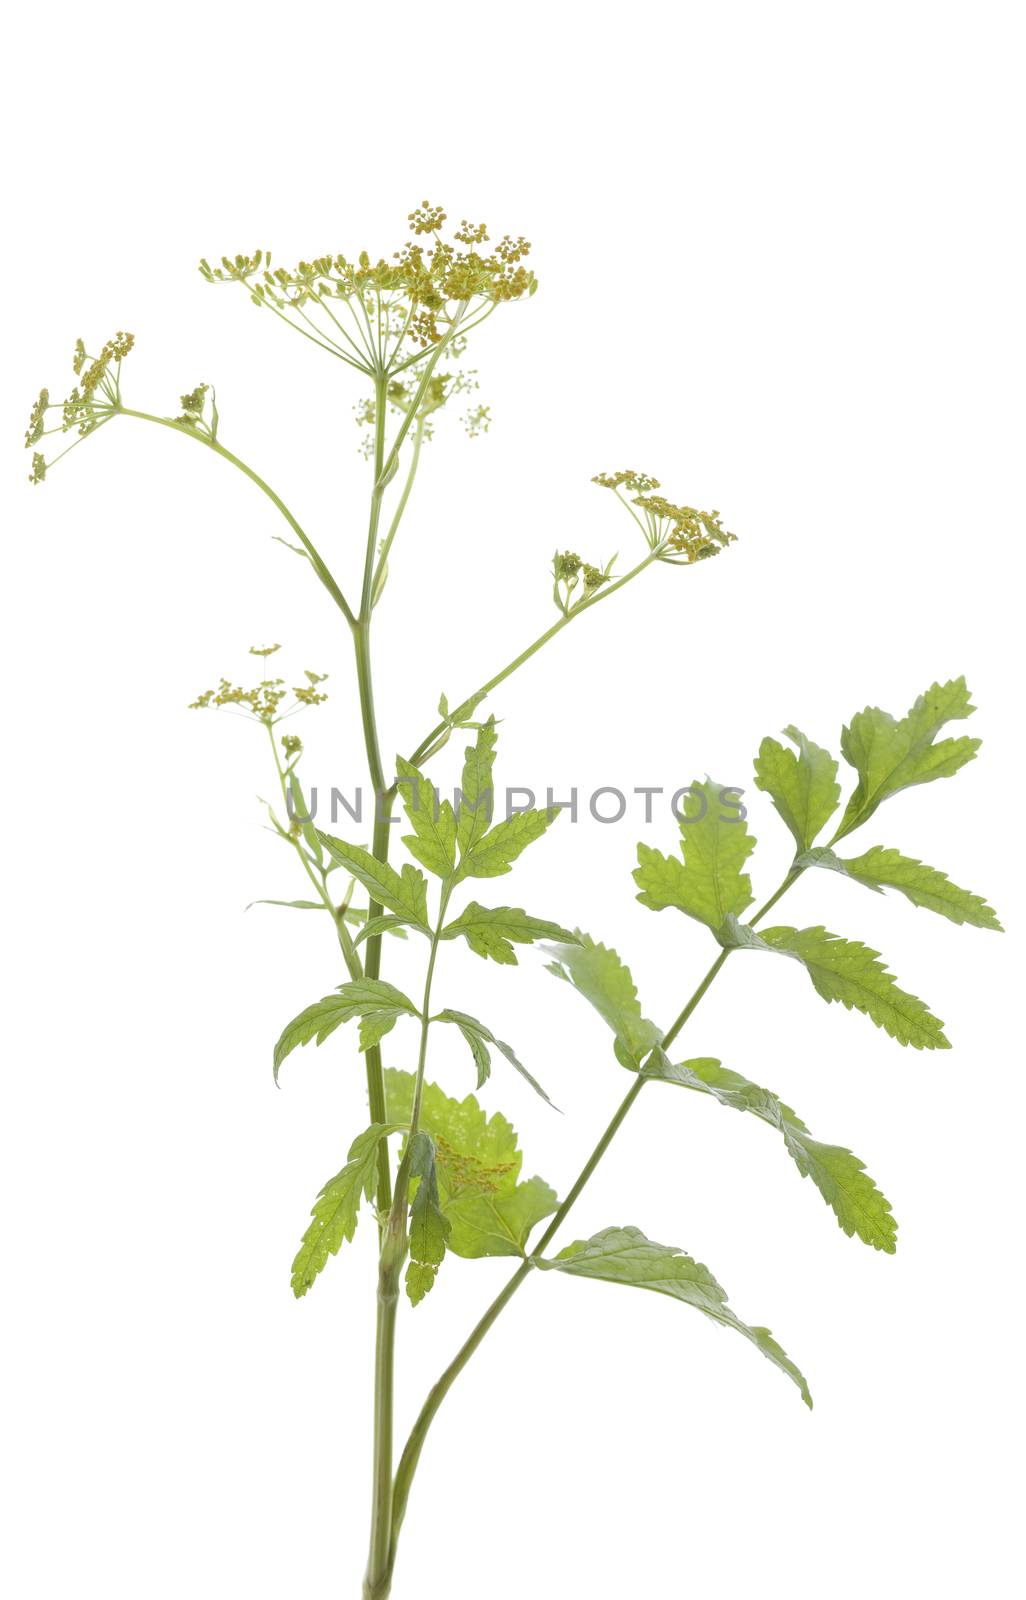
(780, 267)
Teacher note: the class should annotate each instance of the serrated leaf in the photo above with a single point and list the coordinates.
(891, 754)
(429, 1229)
(477, 794)
(625, 1255)
(478, 1037)
(477, 1166)
(364, 997)
(803, 787)
(848, 971)
(492, 931)
(336, 1207)
(880, 868)
(709, 885)
(493, 854)
(596, 972)
(433, 840)
(404, 893)
(420, 1280)
(839, 1175)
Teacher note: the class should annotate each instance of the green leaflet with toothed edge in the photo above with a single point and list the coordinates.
(477, 1163)
(840, 1176)
(625, 1255)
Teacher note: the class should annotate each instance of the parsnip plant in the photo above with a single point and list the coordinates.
(436, 1174)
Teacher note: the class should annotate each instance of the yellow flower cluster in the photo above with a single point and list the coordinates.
(416, 294)
(679, 534)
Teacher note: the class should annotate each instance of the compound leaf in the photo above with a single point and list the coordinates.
(625, 1255)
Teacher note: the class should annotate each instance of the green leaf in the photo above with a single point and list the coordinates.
(433, 840)
(803, 787)
(479, 1037)
(624, 1255)
(419, 1280)
(336, 1207)
(710, 885)
(477, 794)
(597, 972)
(294, 905)
(388, 922)
(848, 971)
(394, 925)
(492, 931)
(880, 868)
(890, 754)
(429, 1229)
(839, 1176)
(477, 1167)
(404, 893)
(494, 853)
(369, 998)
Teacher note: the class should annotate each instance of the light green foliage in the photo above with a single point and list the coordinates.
(803, 787)
(403, 893)
(839, 1176)
(477, 790)
(429, 1228)
(379, 1004)
(597, 972)
(891, 754)
(880, 868)
(336, 1207)
(477, 1166)
(848, 971)
(492, 931)
(624, 1255)
(433, 840)
(709, 885)
(487, 852)
(479, 1037)
(494, 853)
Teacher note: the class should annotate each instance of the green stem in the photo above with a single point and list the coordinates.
(415, 1443)
(393, 1255)
(425, 747)
(316, 562)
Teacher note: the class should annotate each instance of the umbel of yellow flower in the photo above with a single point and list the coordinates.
(679, 534)
(266, 698)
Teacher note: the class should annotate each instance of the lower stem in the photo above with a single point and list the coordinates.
(415, 1443)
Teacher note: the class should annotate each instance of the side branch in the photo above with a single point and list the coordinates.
(316, 561)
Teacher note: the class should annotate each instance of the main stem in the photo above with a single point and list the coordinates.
(415, 1443)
